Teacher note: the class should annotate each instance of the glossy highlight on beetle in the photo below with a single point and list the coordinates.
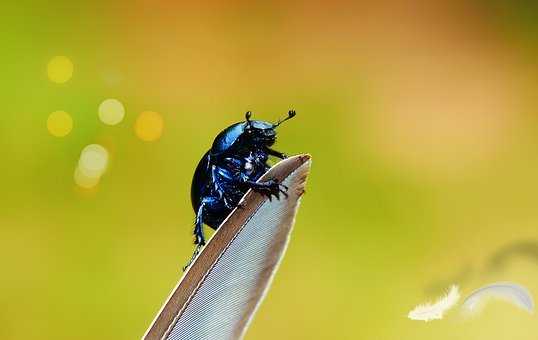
(236, 160)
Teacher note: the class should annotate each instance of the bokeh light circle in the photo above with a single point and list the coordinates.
(60, 69)
(93, 161)
(149, 126)
(85, 181)
(59, 123)
(111, 111)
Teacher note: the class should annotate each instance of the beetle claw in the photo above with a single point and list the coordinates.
(272, 188)
(193, 257)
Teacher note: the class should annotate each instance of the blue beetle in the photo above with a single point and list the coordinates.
(236, 160)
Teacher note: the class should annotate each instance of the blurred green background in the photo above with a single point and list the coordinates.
(421, 118)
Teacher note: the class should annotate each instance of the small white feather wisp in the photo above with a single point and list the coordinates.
(435, 311)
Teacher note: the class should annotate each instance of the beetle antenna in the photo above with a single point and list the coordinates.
(291, 114)
(247, 117)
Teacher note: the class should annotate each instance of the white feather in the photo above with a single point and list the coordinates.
(429, 311)
(510, 292)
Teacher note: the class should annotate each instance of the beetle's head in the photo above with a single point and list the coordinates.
(261, 132)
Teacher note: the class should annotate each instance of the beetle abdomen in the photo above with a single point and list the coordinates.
(200, 179)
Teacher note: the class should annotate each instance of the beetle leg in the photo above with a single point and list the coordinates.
(276, 153)
(199, 238)
(222, 196)
(221, 175)
(199, 226)
(269, 188)
(193, 257)
(215, 179)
